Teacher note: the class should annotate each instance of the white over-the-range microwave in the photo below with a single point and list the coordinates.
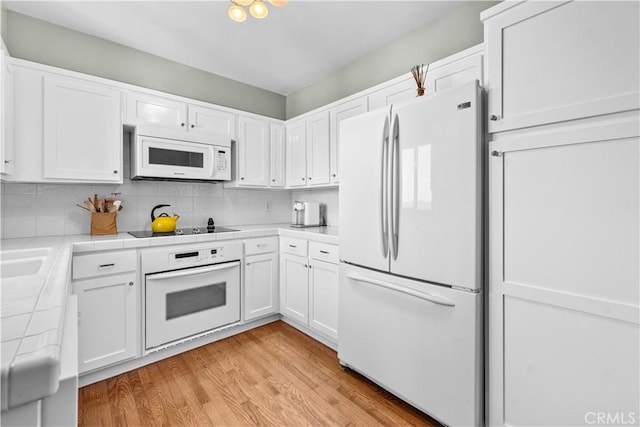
(167, 154)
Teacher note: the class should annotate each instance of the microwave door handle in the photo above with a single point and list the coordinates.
(189, 272)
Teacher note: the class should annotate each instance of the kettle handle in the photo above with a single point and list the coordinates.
(153, 217)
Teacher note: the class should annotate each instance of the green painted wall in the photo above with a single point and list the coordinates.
(458, 30)
(39, 41)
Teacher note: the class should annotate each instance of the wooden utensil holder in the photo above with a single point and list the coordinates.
(103, 223)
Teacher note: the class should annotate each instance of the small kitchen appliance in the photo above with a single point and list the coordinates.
(305, 214)
(166, 154)
(163, 223)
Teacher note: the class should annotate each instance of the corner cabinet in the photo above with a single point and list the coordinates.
(260, 277)
(108, 314)
(309, 285)
(82, 131)
(308, 151)
(555, 61)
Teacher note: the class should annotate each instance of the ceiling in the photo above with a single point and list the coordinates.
(292, 48)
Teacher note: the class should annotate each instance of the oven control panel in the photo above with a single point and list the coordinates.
(189, 255)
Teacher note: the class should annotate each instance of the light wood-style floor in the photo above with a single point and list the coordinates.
(272, 375)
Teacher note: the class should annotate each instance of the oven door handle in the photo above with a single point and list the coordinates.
(192, 272)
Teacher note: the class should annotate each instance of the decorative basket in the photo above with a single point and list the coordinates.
(103, 223)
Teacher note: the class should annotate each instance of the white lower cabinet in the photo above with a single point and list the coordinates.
(294, 283)
(323, 297)
(260, 278)
(106, 286)
(309, 284)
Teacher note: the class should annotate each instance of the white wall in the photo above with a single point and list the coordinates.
(30, 210)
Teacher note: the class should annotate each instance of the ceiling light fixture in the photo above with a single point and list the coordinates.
(257, 8)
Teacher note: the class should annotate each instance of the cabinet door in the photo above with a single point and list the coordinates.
(294, 287)
(82, 131)
(323, 297)
(564, 271)
(144, 109)
(456, 71)
(397, 92)
(550, 62)
(337, 115)
(107, 320)
(260, 285)
(253, 152)
(7, 164)
(296, 155)
(318, 149)
(277, 150)
(209, 120)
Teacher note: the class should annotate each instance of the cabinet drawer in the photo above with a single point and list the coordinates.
(290, 245)
(260, 246)
(103, 263)
(323, 252)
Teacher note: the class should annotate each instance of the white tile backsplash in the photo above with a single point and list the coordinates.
(30, 210)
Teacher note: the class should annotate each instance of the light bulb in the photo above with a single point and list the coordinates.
(279, 3)
(237, 13)
(244, 2)
(258, 9)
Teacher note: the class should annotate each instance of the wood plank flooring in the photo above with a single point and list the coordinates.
(272, 375)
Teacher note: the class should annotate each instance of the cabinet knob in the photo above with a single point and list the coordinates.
(309, 178)
(273, 180)
(333, 175)
(302, 178)
(130, 283)
(182, 124)
(192, 126)
(115, 171)
(7, 162)
(496, 153)
(494, 118)
(248, 263)
(242, 178)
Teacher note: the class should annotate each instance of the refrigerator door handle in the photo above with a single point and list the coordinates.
(384, 190)
(422, 295)
(395, 186)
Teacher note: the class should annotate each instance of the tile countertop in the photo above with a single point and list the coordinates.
(33, 307)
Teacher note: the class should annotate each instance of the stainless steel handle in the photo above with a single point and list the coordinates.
(106, 265)
(384, 190)
(422, 295)
(395, 186)
(192, 272)
(292, 246)
(324, 252)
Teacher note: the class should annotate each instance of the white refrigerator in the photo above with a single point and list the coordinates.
(410, 310)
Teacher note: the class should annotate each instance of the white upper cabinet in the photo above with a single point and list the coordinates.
(318, 149)
(145, 109)
(151, 110)
(82, 131)
(7, 164)
(455, 70)
(253, 152)
(277, 155)
(211, 120)
(554, 61)
(336, 115)
(296, 154)
(403, 89)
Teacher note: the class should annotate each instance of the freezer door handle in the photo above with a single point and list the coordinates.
(394, 195)
(384, 189)
(422, 295)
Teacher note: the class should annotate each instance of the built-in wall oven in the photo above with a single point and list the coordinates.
(190, 289)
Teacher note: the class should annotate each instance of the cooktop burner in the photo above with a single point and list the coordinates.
(181, 232)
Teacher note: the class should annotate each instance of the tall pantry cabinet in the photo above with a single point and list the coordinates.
(564, 193)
